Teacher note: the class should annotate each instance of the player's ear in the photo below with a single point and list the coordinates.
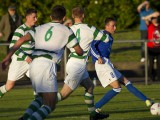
(51, 17)
(64, 18)
(83, 16)
(73, 16)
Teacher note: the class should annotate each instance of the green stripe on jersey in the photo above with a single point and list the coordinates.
(71, 37)
(95, 33)
(26, 49)
(18, 34)
(103, 37)
(23, 58)
(45, 56)
(18, 51)
(47, 51)
(76, 56)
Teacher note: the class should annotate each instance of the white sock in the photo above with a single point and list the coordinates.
(59, 97)
(3, 89)
(34, 93)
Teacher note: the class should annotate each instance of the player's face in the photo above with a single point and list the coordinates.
(111, 27)
(32, 19)
(154, 21)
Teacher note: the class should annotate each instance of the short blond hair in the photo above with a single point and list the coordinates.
(77, 12)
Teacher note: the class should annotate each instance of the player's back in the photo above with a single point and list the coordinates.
(51, 37)
(84, 34)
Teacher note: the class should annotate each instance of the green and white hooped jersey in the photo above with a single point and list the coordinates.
(85, 35)
(27, 48)
(51, 39)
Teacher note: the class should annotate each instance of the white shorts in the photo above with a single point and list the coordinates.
(17, 69)
(76, 72)
(106, 72)
(43, 74)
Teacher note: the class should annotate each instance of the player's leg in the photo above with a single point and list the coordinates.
(43, 81)
(34, 106)
(49, 104)
(116, 88)
(108, 76)
(7, 87)
(135, 91)
(88, 96)
(151, 64)
(89, 99)
(17, 70)
(75, 70)
(64, 93)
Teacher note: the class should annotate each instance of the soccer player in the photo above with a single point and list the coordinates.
(76, 65)
(107, 74)
(22, 57)
(50, 40)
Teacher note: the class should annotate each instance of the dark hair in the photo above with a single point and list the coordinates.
(108, 19)
(12, 7)
(77, 12)
(153, 18)
(30, 11)
(58, 12)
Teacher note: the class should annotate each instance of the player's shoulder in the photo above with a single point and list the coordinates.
(21, 28)
(82, 26)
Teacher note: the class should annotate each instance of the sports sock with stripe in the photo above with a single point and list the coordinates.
(41, 113)
(34, 106)
(107, 97)
(89, 100)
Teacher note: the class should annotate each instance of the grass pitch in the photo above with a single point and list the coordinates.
(124, 106)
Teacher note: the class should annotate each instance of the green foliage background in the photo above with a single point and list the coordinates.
(96, 10)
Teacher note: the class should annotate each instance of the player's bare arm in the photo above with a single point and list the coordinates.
(17, 45)
(78, 50)
(155, 14)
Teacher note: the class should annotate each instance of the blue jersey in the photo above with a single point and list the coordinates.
(100, 48)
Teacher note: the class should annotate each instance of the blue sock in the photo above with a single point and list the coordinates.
(107, 97)
(135, 91)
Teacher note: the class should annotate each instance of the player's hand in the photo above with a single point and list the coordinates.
(1, 34)
(5, 63)
(100, 60)
(144, 18)
(146, 2)
(28, 59)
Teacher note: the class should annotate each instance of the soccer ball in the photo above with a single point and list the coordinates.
(155, 109)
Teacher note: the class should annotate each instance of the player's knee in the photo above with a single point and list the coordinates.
(90, 89)
(117, 90)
